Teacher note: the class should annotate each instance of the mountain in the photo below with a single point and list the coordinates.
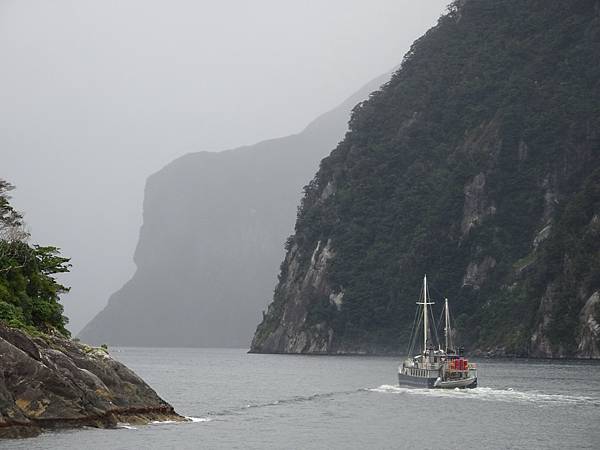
(212, 239)
(478, 164)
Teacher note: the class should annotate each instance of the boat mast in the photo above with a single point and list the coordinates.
(425, 324)
(425, 313)
(447, 321)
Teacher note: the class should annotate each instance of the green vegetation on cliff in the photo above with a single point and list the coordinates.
(478, 164)
(29, 293)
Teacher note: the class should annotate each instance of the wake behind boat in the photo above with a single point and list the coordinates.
(435, 367)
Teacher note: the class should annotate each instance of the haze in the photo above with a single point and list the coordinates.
(97, 95)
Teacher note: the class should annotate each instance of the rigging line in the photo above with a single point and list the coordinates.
(439, 321)
(436, 291)
(435, 329)
(414, 337)
(412, 331)
(450, 332)
(414, 342)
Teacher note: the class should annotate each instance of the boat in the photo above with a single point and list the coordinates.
(435, 367)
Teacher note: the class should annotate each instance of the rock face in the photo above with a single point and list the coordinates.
(589, 343)
(54, 382)
(212, 238)
(477, 164)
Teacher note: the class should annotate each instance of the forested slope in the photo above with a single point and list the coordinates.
(478, 164)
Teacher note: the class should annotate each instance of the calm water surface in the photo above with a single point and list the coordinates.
(238, 400)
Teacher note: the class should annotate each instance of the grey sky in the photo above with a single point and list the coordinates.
(97, 95)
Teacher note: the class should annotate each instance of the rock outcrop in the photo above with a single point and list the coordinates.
(53, 382)
(589, 343)
(477, 164)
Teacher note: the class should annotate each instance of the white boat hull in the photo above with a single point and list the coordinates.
(462, 383)
(437, 383)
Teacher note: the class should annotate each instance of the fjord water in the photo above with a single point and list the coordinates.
(239, 400)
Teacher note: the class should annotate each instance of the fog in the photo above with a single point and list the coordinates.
(97, 95)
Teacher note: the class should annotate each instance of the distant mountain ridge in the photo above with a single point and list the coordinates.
(212, 237)
(477, 164)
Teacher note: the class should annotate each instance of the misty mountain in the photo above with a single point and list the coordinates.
(478, 164)
(212, 240)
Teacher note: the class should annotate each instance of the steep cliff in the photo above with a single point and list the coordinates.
(211, 242)
(53, 382)
(478, 164)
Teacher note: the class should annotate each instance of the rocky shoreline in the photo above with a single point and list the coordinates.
(49, 382)
(480, 354)
(111, 419)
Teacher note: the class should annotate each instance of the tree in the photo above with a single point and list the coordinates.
(29, 292)
(11, 221)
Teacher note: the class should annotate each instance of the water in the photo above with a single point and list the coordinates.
(238, 400)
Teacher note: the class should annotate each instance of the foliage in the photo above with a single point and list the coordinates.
(11, 221)
(570, 259)
(29, 292)
(506, 89)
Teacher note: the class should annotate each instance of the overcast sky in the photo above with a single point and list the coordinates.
(97, 95)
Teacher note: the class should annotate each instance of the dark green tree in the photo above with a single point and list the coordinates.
(29, 291)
